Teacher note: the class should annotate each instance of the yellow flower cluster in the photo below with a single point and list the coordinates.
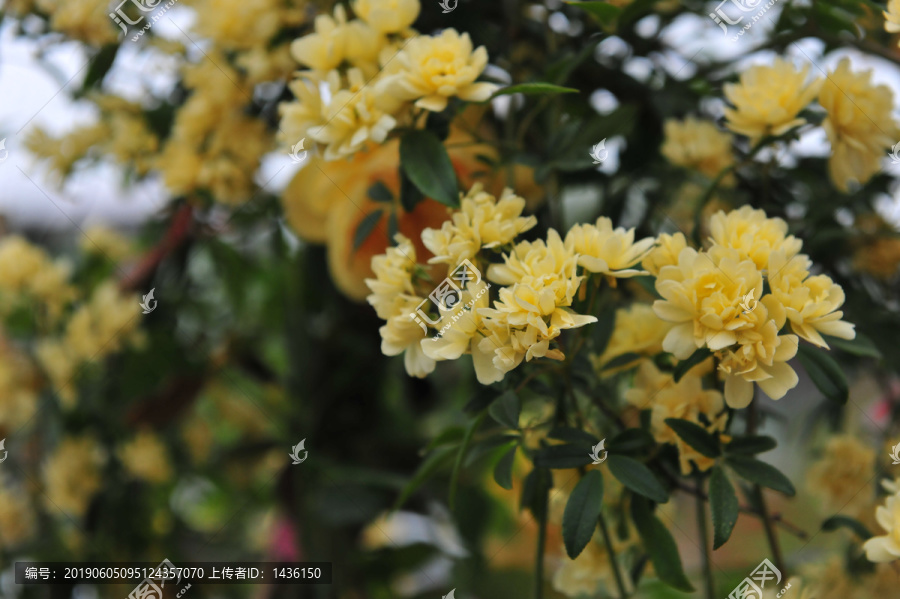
(715, 299)
(19, 385)
(886, 548)
(17, 521)
(365, 75)
(698, 145)
(858, 122)
(638, 330)
(71, 475)
(28, 275)
(846, 467)
(145, 458)
(685, 400)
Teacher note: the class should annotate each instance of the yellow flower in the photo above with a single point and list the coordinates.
(753, 234)
(105, 324)
(301, 115)
(685, 400)
(859, 124)
(600, 249)
(879, 257)
(60, 366)
(482, 221)
(233, 24)
(387, 16)
(892, 16)
(17, 521)
(145, 457)
(768, 99)
(592, 568)
(354, 116)
(71, 474)
(698, 145)
(761, 358)
(637, 330)
(811, 303)
(19, 385)
(846, 467)
(886, 548)
(434, 69)
(665, 253)
(84, 20)
(335, 41)
(107, 243)
(28, 273)
(702, 294)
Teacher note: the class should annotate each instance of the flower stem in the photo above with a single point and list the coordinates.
(768, 525)
(704, 539)
(612, 557)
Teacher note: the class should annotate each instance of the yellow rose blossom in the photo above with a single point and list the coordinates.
(886, 548)
(847, 466)
(665, 253)
(859, 124)
(237, 25)
(17, 519)
(892, 16)
(702, 295)
(768, 99)
(387, 16)
(145, 457)
(85, 20)
(301, 115)
(434, 69)
(590, 570)
(105, 324)
(878, 257)
(753, 234)
(602, 249)
(28, 273)
(638, 330)
(761, 358)
(71, 475)
(811, 302)
(482, 221)
(336, 40)
(685, 400)
(698, 145)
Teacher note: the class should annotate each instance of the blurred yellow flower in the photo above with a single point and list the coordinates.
(17, 521)
(811, 303)
(637, 330)
(238, 25)
(768, 99)
(28, 273)
(434, 69)
(107, 243)
(482, 221)
(859, 124)
(841, 475)
(699, 145)
(892, 16)
(665, 253)
(879, 257)
(145, 457)
(387, 16)
(106, 323)
(84, 20)
(590, 570)
(753, 234)
(71, 475)
(886, 548)
(336, 40)
(602, 249)
(19, 386)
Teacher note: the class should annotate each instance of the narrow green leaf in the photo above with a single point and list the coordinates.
(659, 545)
(723, 503)
(503, 467)
(365, 228)
(410, 195)
(505, 409)
(101, 63)
(836, 522)
(861, 346)
(432, 463)
(602, 330)
(572, 435)
(393, 229)
(637, 477)
(696, 436)
(824, 372)
(537, 87)
(750, 445)
(563, 456)
(603, 12)
(622, 360)
(448, 436)
(463, 448)
(379, 192)
(424, 159)
(760, 473)
(484, 447)
(536, 491)
(582, 512)
(631, 440)
(695, 358)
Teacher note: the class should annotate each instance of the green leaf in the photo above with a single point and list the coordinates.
(572, 435)
(457, 465)
(723, 503)
(696, 436)
(449, 436)
(750, 445)
(631, 440)
(393, 229)
(424, 159)
(432, 463)
(410, 195)
(637, 477)
(379, 192)
(365, 228)
(824, 372)
(695, 358)
(538, 87)
(505, 409)
(602, 330)
(861, 346)
(858, 528)
(760, 473)
(563, 456)
(503, 467)
(622, 360)
(603, 12)
(582, 512)
(100, 65)
(535, 492)
(659, 545)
